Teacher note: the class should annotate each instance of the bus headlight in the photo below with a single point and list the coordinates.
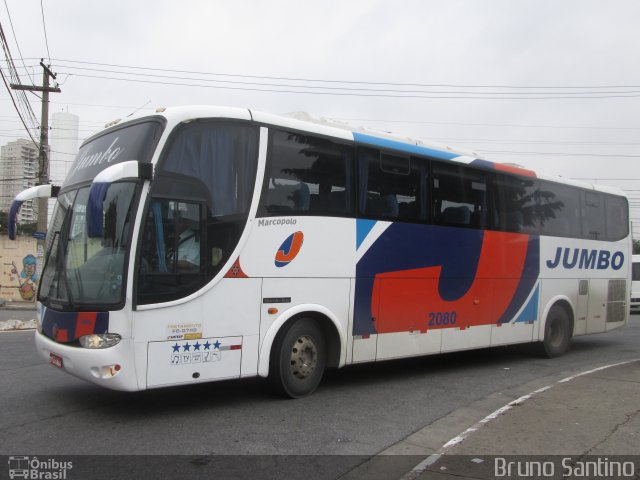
(100, 340)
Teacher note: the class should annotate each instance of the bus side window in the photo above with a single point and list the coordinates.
(593, 216)
(171, 259)
(178, 233)
(515, 203)
(392, 187)
(559, 210)
(460, 196)
(307, 175)
(617, 218)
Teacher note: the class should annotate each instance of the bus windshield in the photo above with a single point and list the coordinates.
(88, 271)
(82, 270)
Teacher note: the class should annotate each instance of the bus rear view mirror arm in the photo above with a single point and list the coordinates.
(101, 183)
(39, 191)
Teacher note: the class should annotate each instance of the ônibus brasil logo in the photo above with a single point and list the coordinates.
(289, 249)
(38, 469)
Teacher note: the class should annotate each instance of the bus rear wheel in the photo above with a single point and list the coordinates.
(298, 359)
(557, 333)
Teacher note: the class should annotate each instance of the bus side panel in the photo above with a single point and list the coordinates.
(301, 296)
(592, 276)
(212, 336)
(522, 327)
(396, 302)
(425, 289)
(306, 263)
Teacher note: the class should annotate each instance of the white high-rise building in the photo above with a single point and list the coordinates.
(19, 170)
(63, 148)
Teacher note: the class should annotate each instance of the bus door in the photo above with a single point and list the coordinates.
(582, 308)
(597, 305)
(199, 339)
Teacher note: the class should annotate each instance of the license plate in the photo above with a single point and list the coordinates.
(55, 360)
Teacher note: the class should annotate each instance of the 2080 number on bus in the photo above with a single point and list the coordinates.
(440, 319)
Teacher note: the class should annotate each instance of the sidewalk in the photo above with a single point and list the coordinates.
(16, 316)
(18, 306)
(593, 417)
(585, 417)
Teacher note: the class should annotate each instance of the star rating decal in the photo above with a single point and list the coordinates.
(200, 351)
(197, 346)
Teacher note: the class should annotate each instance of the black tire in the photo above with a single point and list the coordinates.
(298, 359)
(557, 333)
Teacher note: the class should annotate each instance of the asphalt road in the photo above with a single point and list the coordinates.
(359, 410)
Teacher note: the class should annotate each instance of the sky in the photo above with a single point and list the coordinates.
(550, 85)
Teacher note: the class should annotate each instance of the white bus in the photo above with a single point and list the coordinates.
(200, 243)
(635, 284)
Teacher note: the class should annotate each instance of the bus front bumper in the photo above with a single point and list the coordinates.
(112, 367)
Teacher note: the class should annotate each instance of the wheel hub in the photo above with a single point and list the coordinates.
(304, 357)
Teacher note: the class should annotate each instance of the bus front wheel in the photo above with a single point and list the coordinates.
(557, 333)
(298, 359)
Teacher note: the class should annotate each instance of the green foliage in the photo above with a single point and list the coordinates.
(27, 228)
(23, 228)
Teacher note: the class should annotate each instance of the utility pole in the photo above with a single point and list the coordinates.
(43, 158)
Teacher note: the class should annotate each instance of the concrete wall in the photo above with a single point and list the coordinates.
(20, 267)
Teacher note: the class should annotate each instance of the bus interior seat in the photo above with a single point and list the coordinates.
(456, 215)
(338, 201)
(408, 209)
(515, 220)
(283, 198)
(477, 219)
(385, 206)
(301, 197)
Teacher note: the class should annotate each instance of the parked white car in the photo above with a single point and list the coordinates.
(635, 285)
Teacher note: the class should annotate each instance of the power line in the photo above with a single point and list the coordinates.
(16, 107)
(354, 94)
(560, 154)
(532, 142)
(347, 89)
(44, 27)
(22, 106)
(15, 38)
(580, 127)
(361, 82)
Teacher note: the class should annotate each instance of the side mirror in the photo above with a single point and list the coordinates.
(39, 191)
(100, 185)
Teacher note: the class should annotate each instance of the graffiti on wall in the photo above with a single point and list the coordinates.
(20, 268)
(27, 279)
(22, 277)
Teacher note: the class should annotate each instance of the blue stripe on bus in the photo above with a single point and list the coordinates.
(528, 279)
(363, 227)
(478, 162)
(403, 249)
(402, 147)
(530, 312)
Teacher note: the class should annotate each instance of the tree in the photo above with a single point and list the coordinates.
(23, 229)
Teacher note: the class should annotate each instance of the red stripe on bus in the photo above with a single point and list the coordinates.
(85, 323)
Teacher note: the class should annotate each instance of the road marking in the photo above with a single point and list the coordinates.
(458, 439)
